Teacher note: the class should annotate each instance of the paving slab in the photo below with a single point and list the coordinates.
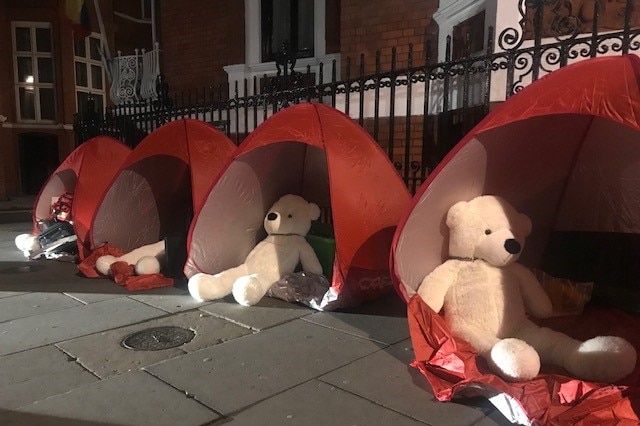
(383, 321)
(16, 418)
(316, 403)
(268, 313)
(35, 374)
(243, 371)
(103, 354)
(386, 379)
(48, 275)
(30, 304)
(136, 399)
(4, 294)
(53, 327)
(170, 299)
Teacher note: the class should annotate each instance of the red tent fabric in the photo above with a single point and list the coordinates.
(86, 172)
(564, 151)
(317, 152)
(154, 193)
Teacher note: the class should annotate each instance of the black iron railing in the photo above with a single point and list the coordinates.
(416, 112)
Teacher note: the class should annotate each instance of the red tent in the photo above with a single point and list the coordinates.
(77, 174)
(564, 151)
(317, 152)
(154, 193)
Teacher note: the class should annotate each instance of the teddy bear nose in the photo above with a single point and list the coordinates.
(272, 216)
(512, 246)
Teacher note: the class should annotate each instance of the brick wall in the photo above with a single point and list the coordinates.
(370, 25)
(198, 41)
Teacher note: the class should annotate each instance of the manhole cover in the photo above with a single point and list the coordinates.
(22, 269)
(156, 339)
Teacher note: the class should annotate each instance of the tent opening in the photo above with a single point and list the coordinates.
(156, 207)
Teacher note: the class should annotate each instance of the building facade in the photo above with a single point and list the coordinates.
(46, 76)
(223, 50)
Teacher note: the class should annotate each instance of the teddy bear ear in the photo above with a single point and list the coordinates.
(454, 213)
(314, 211)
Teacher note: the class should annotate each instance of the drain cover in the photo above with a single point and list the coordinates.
(158, 338)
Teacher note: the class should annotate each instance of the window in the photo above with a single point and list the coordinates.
(33, 71)
(145, 9)
(290, 23)
(468, 36)
(89, 72)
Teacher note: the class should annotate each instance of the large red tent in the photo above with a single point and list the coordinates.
(319, 153)
(86, 173)
(565, 151)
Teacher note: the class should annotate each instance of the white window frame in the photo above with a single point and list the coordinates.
(89, 89)
(253, 47)
(36, 84)
(144, 9)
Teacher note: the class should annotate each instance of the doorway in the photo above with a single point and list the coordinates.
(38, 153)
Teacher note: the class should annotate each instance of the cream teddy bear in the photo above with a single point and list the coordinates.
(146, 259)
(286, 223)
(486, 297)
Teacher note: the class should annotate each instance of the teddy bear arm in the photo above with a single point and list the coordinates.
(308, 258)
(536, 301)
(434, 286)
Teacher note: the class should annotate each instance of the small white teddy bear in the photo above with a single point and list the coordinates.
(486, 296)
(146, 259)
(27, 244)
(286, 223)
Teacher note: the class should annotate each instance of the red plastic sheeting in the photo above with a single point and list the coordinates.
(565, 151)
(86, 173)
(452, 367)
(321, 154)
(122, 272)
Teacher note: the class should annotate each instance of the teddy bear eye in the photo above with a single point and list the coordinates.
(290, 216)
(487, 231)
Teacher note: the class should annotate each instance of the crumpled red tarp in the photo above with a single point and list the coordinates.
(121, 272)
(453, 369)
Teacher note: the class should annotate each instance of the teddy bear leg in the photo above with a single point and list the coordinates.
(250, 289)
(601, 359)
(211, 287)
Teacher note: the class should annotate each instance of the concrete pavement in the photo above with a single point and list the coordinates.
(62, 361)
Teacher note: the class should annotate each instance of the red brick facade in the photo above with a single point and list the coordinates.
(371, 25)
(197, 41)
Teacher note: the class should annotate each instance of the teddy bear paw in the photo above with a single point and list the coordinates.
(103, 264)
(147, 265)
(247, 290)
(603, 359)
(515, 360)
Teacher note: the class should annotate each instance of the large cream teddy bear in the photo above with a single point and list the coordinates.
(146, 259)
(486, 297)
(286, 223)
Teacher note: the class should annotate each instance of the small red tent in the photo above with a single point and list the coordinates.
(317, 152)
(565, 151)
(154, 193)
(78, 174)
